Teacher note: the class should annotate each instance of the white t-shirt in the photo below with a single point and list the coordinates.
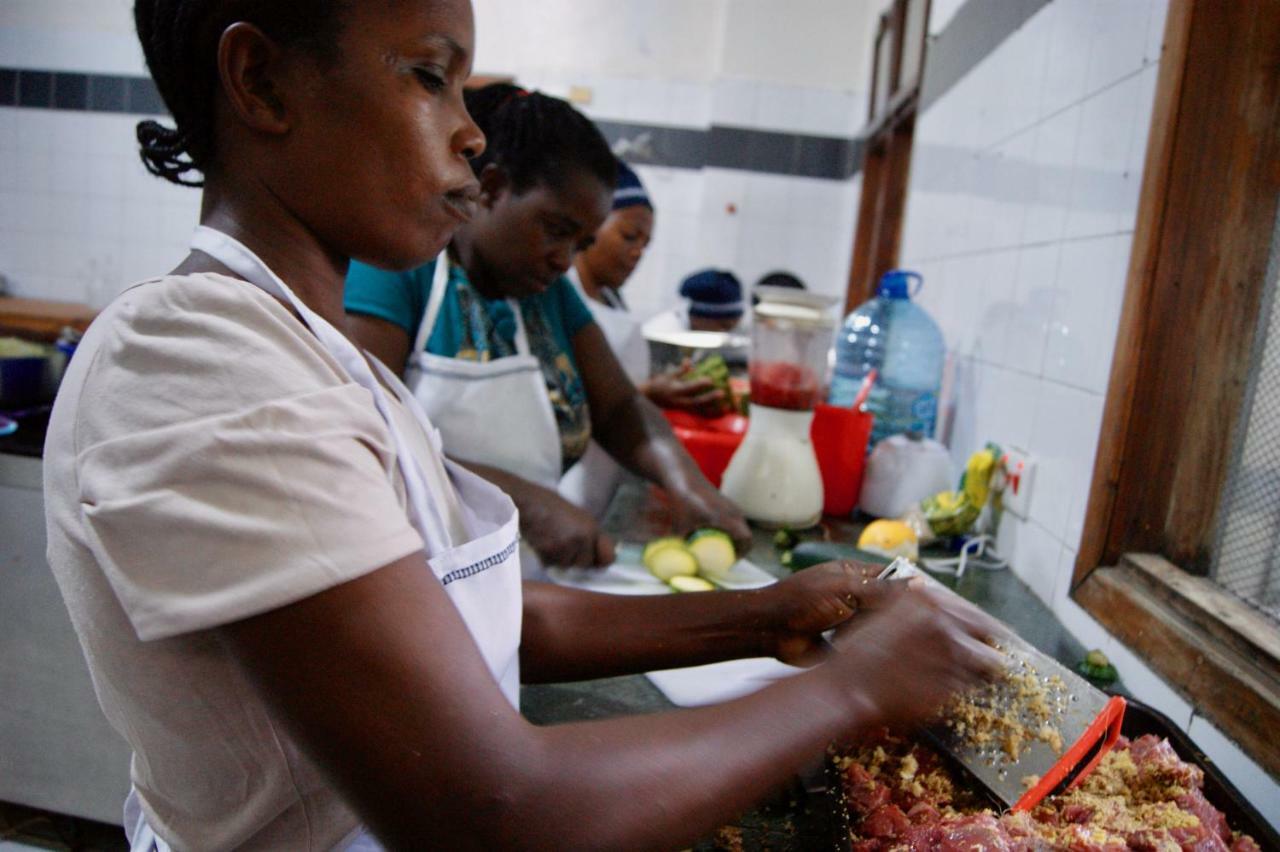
(208, 460)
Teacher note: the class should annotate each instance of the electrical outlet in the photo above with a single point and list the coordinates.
(1019, 476)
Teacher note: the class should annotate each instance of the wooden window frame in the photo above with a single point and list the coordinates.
(886, 167)
(1195, 285)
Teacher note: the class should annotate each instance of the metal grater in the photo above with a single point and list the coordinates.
(1086, 720)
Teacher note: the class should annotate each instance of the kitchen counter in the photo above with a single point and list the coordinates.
(794, 820)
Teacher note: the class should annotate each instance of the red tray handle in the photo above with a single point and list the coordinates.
(1098, 738)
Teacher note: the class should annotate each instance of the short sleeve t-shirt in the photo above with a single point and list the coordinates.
(473, 328)
(207, 460)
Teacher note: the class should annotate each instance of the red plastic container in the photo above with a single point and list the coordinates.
(840, 436)
(711, 441)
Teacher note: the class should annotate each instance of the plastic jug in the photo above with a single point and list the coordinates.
(898, 338)
(901, 471)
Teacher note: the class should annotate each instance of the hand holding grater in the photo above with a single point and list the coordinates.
(1051, 726)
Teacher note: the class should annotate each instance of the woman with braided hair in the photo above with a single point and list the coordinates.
(299, 614)
(504, 355)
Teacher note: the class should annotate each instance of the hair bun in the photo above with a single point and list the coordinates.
(164, 153)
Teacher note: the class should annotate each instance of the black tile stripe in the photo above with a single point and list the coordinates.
(69, 90)
(143, 98)
(8, 87)
(479, 567)
(35, 89)
(746, 149)
(106, 93)
(977, 29)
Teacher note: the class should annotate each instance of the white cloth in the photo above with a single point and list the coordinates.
(496, 412)
(493, 412)
(621, 329)
(592, 482)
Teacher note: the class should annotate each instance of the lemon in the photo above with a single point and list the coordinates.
(890, 539)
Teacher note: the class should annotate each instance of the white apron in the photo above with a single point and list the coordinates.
(495, 412)
(591, 482)
(481, 576)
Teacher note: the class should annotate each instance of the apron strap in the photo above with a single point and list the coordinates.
(522, 336)
(435, 299)
(240, 259)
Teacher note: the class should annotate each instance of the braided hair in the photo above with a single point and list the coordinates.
(537, 138)
(180, 41)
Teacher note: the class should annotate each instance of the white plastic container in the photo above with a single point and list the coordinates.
(901, 471)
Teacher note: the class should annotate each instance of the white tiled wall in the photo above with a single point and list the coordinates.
(749, 223)
(1021, 212)
(81, 219)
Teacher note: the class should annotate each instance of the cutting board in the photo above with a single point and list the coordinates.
(626, 576)
(698, 685)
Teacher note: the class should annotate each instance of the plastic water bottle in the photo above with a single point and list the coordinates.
(896, 337)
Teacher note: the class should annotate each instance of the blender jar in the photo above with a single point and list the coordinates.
(789, 345)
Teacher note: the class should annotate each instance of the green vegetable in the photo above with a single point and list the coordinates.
(1096, 666)
(712, 367)
(950, 513)
(659, 543)
(806, 554)
(714, 551)
(668, 557)
(785, 539)
(681, 583)
(787, 559)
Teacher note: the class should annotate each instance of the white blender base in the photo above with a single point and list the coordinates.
(773, 477)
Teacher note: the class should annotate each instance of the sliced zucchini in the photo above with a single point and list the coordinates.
(658, 544)
(671, 559)
(714, 551)
(682, 583)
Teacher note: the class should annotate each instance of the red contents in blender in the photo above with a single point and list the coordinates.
(783, 384)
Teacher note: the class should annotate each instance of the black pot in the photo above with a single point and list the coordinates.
(27, 381)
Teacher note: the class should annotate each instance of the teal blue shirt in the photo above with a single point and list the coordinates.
(474, 328)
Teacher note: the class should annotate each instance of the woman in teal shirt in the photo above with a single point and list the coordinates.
(502, 306)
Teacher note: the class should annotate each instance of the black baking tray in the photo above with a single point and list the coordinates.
(1139, 719)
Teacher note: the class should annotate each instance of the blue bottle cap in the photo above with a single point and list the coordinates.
(895, 284)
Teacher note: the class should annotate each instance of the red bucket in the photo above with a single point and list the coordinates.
(711, 441)
(840, 437)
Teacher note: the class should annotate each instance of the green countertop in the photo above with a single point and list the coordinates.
(794, 820)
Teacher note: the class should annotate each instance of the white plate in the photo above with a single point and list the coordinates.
(628, 578)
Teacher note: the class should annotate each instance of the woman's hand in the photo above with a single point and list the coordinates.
(564, 535)
(699, 504)
(674, 390)
(560, 532)
(820, 598)
(912, 650)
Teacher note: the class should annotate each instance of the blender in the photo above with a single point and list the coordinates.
(774, 477)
